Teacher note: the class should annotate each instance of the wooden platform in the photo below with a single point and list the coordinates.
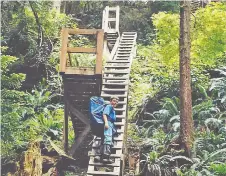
(77, 92)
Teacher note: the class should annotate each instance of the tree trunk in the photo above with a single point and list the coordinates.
(186, 121)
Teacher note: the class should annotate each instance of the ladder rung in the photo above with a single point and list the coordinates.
(119, 124)
(106, 83)
(115, 61)
(124, 49)
(117, 164)
(102, 173)
(112, 8)
(118, 109)
(116, 72)
(114, 139)
(111, 19)
(117, 78)
(111, 156)
(110, 95)
(119, 103)
(114, 147)
(117, 66)
(116, 90)
(129, 33)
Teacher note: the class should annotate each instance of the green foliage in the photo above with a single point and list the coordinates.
(219, 169)
(205, 53)
(218, 87)
(25, 116)
(31, 31)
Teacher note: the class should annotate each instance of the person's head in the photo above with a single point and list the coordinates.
(114, 101)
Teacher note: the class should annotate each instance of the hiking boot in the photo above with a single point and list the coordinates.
(108, 161)
(97, 159)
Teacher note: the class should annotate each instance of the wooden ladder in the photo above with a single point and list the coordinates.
(110, 25)
(196, 4)
(116, 82)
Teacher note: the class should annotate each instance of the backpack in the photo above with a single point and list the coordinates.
(97, 105)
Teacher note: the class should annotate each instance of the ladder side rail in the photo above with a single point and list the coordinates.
(117, 19)
(113, 52)
(106, 19)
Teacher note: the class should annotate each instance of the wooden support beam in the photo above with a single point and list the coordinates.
(78, 114)
(81, 50)
(79, 140)
(63, 53)
(100, 43)
(69, 60)
(65, 131)
(83, 31)
(80, 70)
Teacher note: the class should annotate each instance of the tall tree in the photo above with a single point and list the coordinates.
(186, 121)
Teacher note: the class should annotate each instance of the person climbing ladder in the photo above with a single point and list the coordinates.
(108, 131)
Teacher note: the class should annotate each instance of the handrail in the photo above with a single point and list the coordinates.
(67, 50)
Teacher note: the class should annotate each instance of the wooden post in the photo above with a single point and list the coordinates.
(63, 53)
(65, 126)
(100, 42)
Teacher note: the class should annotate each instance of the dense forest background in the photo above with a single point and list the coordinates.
(31, 92)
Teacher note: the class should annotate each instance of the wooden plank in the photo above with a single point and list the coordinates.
(117, 66)
(102, 173)
(116, 72)
(104, 164)
(63, 53)
(110, 95)
(114, 89)
(96, 154)
(115, 139)
(114, 147)
(81, 85)
(118, 78)
(100, 44)
(81, 97)
(83, 31)
(79, 140)
(81, 50)
(79, 71)
(109, 83)
(119, 124)
(111, 19)
(112, 8)
(78, 114)
(115, 61)
(65, 130)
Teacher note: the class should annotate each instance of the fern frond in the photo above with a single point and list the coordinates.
(181, 157)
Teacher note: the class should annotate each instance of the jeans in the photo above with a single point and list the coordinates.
(107, 140)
